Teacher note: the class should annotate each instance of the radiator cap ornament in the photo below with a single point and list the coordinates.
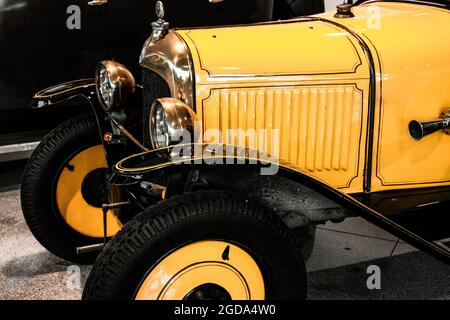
(344, 10)
(160, 27)
(160, 10)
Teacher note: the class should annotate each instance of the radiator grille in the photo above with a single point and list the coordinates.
(318, 127)
(154, 87)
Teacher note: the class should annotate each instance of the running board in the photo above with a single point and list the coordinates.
(17, 151)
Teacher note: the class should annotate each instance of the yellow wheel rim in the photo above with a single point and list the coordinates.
(76, 212)
(202, 263)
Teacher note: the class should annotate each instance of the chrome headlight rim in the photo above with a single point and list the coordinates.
(170, 120)
(114, 84)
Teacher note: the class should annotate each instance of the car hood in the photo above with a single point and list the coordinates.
(306, 46)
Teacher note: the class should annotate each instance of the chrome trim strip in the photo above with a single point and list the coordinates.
(169, 58)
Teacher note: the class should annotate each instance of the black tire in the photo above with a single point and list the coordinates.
(38, 185)
(202, 215)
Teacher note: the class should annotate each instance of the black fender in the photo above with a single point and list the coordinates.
(63, 92)
(86, 89)
(218, 158)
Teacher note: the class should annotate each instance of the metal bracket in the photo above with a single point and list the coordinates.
(91, 248)
(100, 246)
(105, 208)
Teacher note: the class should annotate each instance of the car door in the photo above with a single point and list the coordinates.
(410, 178)
(415, 86)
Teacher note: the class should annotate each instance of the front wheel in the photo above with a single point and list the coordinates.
(63, 188)
(201, 246)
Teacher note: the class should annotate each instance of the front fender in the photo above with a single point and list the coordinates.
(191, 157)
(63, 92)
(85, 88)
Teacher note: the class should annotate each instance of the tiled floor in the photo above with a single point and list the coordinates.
(345, 247)
(343, 252)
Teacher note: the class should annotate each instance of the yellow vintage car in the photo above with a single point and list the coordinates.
(241, 138)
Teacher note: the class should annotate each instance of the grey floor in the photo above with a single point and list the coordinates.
(336, 270)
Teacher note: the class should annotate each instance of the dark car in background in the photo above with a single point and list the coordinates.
(39, 38)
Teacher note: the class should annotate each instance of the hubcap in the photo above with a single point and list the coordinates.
(208, 291)
(204, 270)
(77, 194)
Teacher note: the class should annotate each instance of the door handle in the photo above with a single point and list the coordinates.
(419, 129)
(97, 2)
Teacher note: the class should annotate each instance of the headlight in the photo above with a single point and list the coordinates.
(171, 122)
(114, 84)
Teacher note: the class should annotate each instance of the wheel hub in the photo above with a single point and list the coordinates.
(93, 188)
(208, 291)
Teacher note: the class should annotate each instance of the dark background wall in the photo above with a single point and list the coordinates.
(38, 50)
